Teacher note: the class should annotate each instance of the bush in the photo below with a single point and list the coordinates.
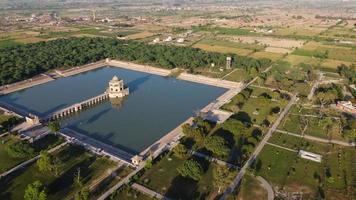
(19, 149)
(180, 151)
(191, 169)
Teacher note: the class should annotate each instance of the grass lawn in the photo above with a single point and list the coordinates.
(286, 169)
(286, 140)
(212, 72)
(7, 162)
(324, 128)
(257, 108)
(61, 187)
(238, 75)
(291, 123)
(164, 178)
(251, 189)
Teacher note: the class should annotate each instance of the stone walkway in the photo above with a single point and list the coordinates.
(219, 162)
(281, 147)
(149, 192)
(309, 137)
(267, 186)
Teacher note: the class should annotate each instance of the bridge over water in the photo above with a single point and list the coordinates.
(77, 107)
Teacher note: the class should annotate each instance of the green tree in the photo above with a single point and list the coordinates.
(180, 151)
(44, 163)
(222, 177)
(190, 169)
(217, 145)
(35, 191)
(83, 194)
(48, 163)
(234, 126)
(148, 164)
(54, 126)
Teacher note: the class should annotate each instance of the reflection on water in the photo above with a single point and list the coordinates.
(154, 106)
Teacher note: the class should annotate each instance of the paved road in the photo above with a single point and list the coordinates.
(315, 86)
(317, 139)
(258, 149)
(24, 164)
(149, 192)
(266, 186)
(219, 162)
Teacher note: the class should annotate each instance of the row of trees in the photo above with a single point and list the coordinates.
(25, 61)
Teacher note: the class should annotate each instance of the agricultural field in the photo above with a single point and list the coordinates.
(299, 31)
(269, 55)
(73, 159)
(222, 49)
(333, 52)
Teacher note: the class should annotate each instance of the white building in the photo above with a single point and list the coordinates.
(116, 88)
(180, 40)
(168, 39)
(310, 156)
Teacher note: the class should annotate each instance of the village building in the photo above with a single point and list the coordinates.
(346, 106)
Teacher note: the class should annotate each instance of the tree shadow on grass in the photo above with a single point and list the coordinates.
(65, 182)
(8, 182)
(71, 152)
(243, 117)
(45, 143)
(182, 188)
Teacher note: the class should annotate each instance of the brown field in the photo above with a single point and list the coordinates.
(30, 40)
(296, 59)
(333, 64)
(278, 50)
(222, 49)
(269, 55)
(310, 31)
(269, 41)
(141, 35)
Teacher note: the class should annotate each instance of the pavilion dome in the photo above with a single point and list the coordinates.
(115, 78)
